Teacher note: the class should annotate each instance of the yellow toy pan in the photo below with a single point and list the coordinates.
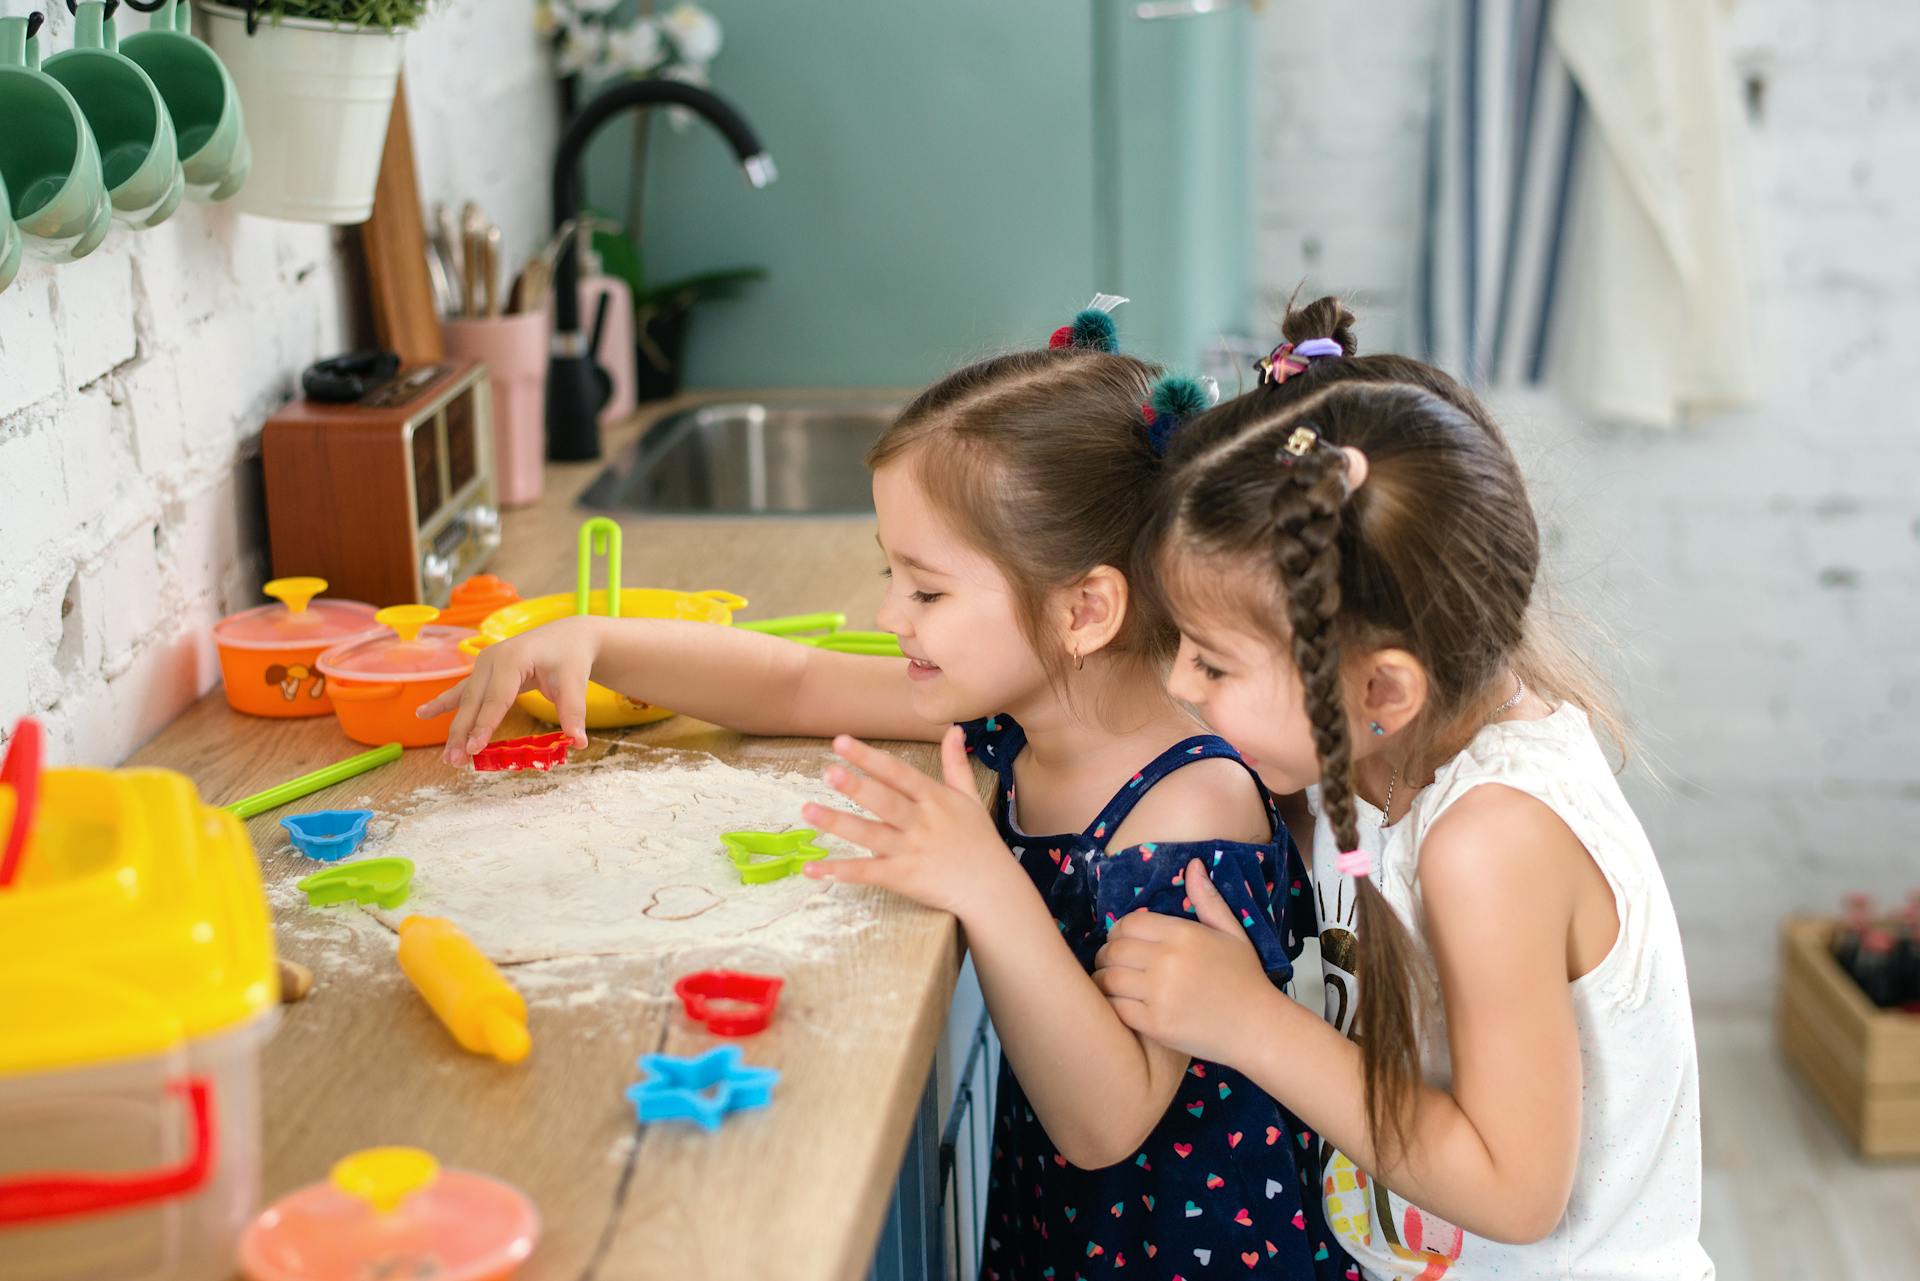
(605, 709)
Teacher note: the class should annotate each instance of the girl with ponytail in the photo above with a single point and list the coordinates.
(1509, 1085)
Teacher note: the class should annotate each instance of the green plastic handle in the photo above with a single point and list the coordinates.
(796, 624)
(307, 784)
(598, 537)
(873, 649)
(865, 638)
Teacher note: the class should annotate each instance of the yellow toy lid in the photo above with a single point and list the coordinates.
(136, 921)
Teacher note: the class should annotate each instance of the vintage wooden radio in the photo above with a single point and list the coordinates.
(389, 498)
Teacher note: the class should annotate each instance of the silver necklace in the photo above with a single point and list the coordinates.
(1386, 811)
(1513, 702)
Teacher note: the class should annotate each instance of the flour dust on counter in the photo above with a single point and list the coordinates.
(620, 857)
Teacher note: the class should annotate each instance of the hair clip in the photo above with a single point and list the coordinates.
(1287, 359)
(1302, 440)
(1353, 863)
(1092, 327)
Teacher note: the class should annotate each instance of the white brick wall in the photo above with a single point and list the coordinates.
(133, 385)
(1760, 573)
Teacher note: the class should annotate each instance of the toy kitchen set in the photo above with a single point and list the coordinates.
(381, 480)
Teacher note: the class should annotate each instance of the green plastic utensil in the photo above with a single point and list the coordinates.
(761, 857)
(381, 882)
(796, 625)
(879, 644)
(598, 537)
(800, 628)
(307, 784)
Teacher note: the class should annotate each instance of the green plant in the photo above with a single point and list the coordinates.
(620, 257)
(387, 15)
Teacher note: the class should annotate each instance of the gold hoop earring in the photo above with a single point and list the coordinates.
(1078, 662)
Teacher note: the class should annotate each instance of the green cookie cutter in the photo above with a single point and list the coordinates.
(380, 882)
(761, 857)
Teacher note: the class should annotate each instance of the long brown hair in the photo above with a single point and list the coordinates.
(1436, 553)
(1041, 460)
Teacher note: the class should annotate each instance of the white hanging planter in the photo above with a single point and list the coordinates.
(316, 98)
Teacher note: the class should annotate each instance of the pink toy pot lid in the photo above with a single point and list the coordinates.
(298, 621)
(392, 1213)
(406, 648)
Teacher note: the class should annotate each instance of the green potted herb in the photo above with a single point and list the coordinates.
(316, 80)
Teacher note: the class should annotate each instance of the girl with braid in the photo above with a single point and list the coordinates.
(1008, 496)
(1510, 1087)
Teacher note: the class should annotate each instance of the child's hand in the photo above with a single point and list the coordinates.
(555, 659)
(1186, 984)
(933, 842)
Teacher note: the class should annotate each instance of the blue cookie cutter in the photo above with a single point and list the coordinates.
(702, 1089)
(327, 836)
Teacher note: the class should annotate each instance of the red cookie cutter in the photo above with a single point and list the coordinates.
(747, 1000)
(536, 751)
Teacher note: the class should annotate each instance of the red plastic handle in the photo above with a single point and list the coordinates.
(40, 1197)
(21, 770)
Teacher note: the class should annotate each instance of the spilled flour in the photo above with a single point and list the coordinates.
(620, 857)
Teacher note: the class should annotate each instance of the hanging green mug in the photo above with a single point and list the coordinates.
(47, 155)
(207, 124)
(9, 240)
(130, 121)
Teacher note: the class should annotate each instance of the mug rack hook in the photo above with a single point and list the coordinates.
(112, 5)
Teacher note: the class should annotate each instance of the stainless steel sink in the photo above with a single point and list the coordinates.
(761, 458)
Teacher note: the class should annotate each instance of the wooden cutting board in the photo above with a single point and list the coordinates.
(395, 240)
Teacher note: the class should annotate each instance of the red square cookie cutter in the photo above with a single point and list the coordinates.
(746, 1001)
(536, 751)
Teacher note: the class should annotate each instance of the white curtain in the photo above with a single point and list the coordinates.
(1581, 225)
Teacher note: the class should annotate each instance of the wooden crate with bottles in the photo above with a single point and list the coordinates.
(1849, 1021)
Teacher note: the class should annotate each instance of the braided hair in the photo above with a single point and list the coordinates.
(1436, 554)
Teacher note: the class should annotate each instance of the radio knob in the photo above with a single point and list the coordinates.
(436, 576)
(486, 524)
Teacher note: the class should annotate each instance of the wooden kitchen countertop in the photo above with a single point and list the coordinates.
(798, 1191)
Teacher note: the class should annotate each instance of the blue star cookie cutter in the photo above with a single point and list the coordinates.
(327, 836)
(702, 1089)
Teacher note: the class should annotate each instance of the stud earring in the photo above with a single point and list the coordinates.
(1379, 730)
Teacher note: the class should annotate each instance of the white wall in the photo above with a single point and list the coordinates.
(1760, 571)
(133, 385)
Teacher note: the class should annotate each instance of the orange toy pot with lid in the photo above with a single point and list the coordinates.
(268, 654)
(378, 681)
(393, 1212)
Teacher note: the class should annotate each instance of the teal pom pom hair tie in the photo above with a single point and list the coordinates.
(1174, 399)
(1092, 327)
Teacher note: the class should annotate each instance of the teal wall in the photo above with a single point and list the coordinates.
(947, 185)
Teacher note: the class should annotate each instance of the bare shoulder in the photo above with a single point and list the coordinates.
(1497, 844)
(1209, 800)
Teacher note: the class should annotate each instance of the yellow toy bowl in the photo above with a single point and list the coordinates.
(605, 709)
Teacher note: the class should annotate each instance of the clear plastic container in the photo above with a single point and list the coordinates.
(172, 1200)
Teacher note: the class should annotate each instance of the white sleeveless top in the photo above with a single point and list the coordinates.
(1635, 1208)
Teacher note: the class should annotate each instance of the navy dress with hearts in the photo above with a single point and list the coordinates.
(1216, 1190)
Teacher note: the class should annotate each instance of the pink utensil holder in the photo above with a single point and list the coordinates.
(514, 349)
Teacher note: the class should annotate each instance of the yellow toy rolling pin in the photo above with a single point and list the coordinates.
(479, 1007)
